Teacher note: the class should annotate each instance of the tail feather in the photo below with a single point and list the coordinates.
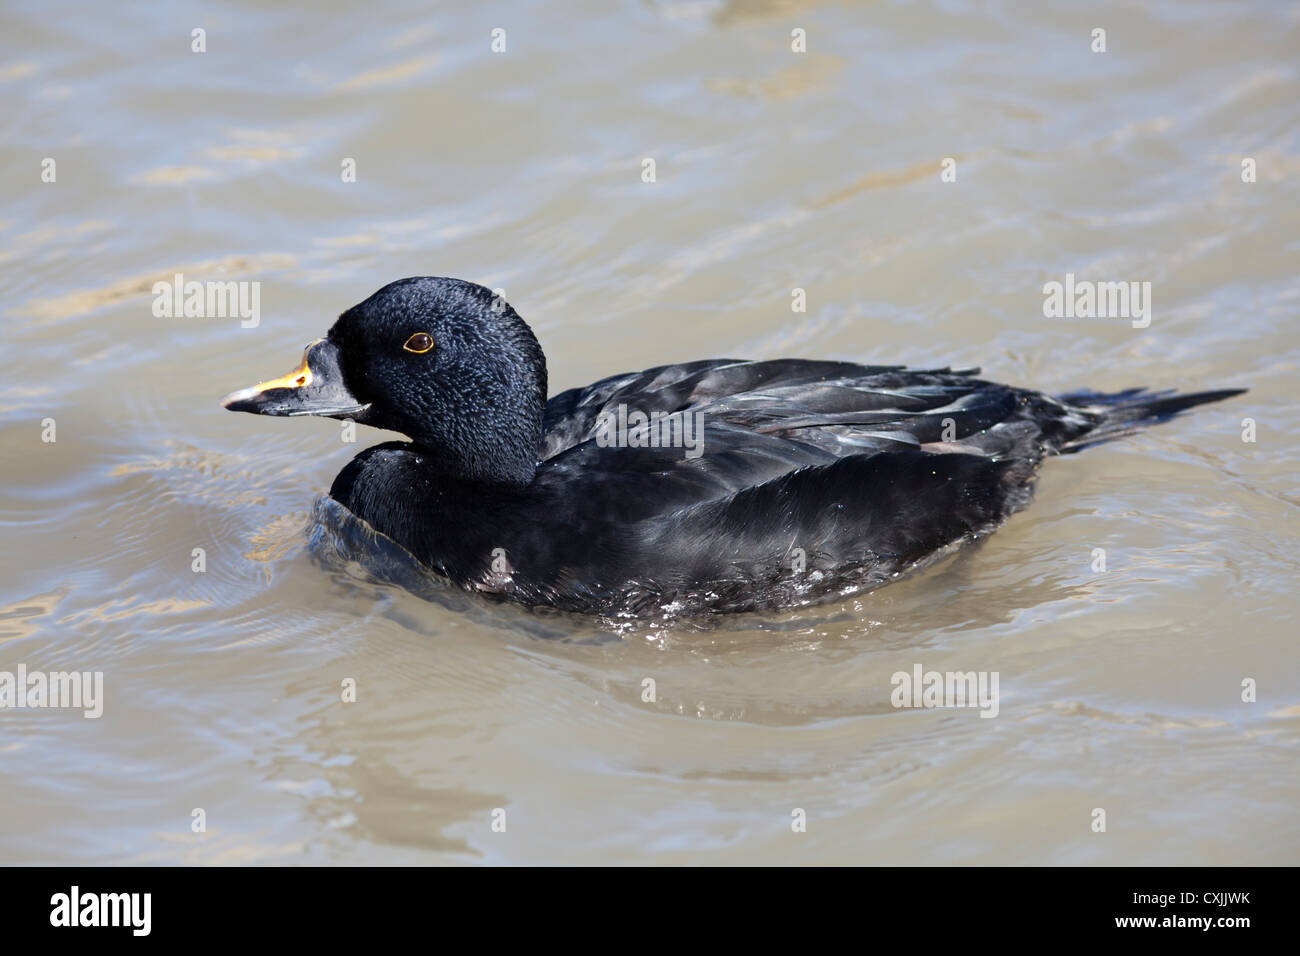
(1128, 412)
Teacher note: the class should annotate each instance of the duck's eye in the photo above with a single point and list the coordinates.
(419, 343)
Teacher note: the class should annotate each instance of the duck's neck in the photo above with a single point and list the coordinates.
(399, 490)
(501, 466)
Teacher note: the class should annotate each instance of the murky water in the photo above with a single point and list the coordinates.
(774, 170)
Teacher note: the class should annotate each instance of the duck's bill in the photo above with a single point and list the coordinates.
(314, 388)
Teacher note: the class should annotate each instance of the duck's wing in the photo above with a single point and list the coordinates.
(572, 416)
(840, 407)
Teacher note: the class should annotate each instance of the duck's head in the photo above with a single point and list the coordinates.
(445, 362)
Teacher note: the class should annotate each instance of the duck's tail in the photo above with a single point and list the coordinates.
(1124, 413)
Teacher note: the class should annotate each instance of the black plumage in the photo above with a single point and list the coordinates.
(812, 478)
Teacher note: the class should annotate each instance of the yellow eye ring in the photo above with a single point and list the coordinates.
(419, 343)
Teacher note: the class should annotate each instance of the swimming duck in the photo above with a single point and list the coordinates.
(714, 485)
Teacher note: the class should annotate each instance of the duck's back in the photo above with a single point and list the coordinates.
(840, 407)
